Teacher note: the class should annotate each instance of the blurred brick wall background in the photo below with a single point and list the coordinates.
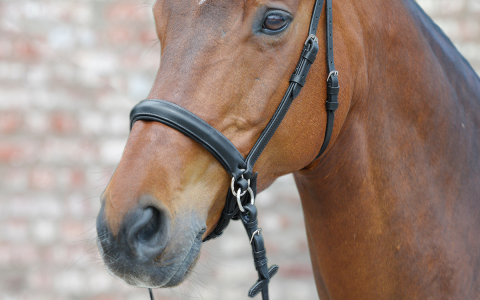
(69, 73)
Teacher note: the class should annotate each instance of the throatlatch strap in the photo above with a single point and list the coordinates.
(332, 82)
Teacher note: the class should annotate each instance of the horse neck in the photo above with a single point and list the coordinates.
(410, 138)
(415, 102)
(402, 173)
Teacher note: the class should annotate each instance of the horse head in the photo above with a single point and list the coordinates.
(391, 207)
(229, 63)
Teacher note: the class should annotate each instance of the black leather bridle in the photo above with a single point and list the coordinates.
(240, 198)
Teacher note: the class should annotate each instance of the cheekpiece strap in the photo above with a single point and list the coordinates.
(317, 11)
(297, 81)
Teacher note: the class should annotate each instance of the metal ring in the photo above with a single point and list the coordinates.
(311, 37)
(239, 202)
(334, 73)
(257, 232)
(233, 188)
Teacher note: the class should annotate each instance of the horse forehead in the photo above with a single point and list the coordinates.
(179, 8)
(218, 9)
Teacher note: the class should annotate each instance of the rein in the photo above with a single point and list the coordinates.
(240, 201)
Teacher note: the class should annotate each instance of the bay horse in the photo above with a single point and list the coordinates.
(392, 207)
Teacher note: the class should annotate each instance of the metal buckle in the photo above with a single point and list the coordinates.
(333, 73)
(257, 232)
(311, 37)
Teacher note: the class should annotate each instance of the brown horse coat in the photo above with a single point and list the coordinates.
(391, 209)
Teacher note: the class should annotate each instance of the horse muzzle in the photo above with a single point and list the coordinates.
(142, 252)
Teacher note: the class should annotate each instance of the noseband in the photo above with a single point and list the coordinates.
(241, 194)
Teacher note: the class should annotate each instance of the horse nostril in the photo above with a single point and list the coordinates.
(152, 226)
(147, 231)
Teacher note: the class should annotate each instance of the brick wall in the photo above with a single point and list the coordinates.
(69, 73)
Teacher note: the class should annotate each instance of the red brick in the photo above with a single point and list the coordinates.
(77, 178)
(65, 150)
(24, 49)
(72, 231)
(148, 37)
(119, 34)
(17, 152)
(10, 122)
(8, 152)
(42, 179)
(63, 122)
(285, 221)
(5, 255)
(70, 178)
(24, 254)
(126, 11)
(39, 280)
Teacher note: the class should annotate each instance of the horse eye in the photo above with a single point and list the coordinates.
(275, 22)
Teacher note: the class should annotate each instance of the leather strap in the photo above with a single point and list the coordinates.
(330, 58)
(231, 210)
(317, 11)
(332, 82)
(249, 220)
(191, 125)
(297, 81)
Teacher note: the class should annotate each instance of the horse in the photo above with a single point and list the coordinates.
(391, 207)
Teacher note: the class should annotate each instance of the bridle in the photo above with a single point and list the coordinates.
(241, 195)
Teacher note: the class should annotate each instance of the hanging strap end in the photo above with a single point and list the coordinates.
(262, 284)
